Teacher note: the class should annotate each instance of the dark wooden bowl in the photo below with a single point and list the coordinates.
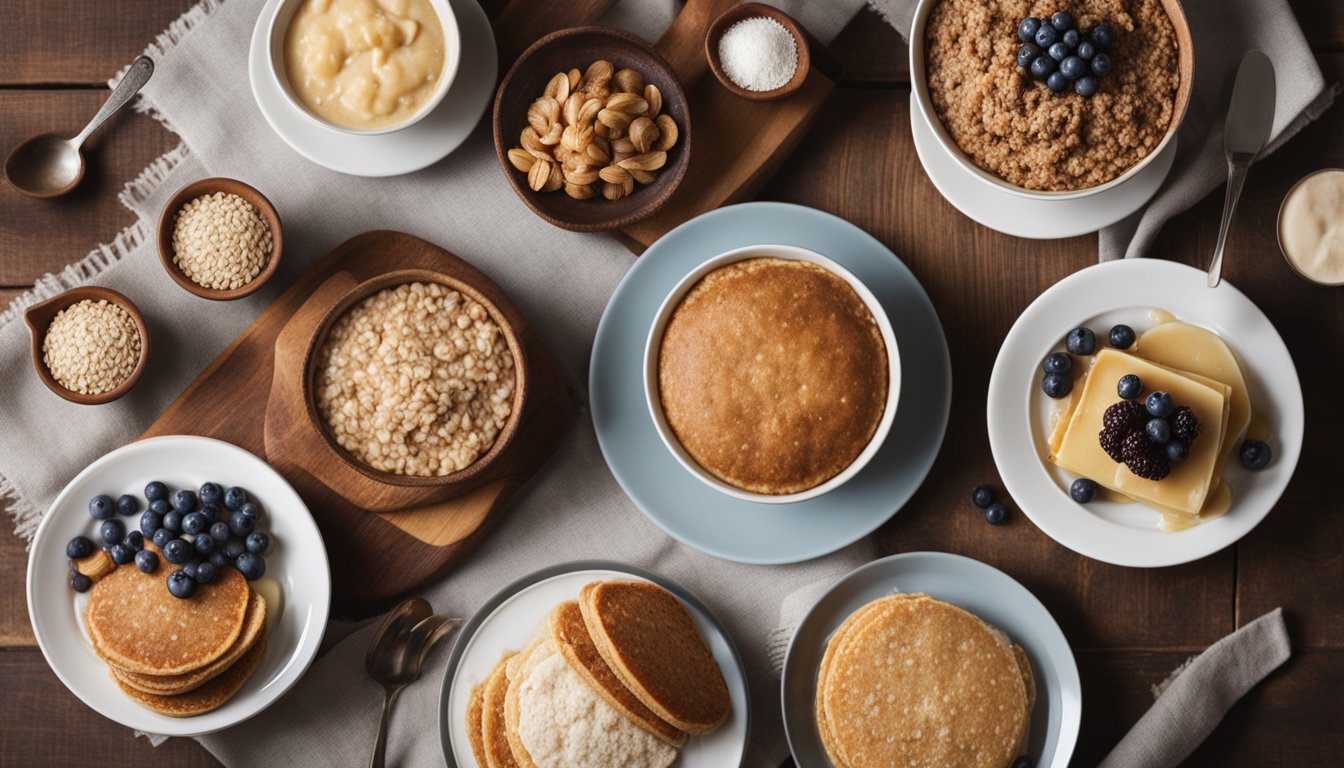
(39, 317)
(190, 192)
(526, 80)
(748, 11)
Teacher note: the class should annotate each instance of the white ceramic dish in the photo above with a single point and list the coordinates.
(452, 54)
(654, 401)
(413, 147)
(297, 563)
(1124, 292)
(517, 614)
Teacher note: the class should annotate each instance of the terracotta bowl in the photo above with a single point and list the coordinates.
(526, 80)
(749, 11)
(39, 317)
(206, 187)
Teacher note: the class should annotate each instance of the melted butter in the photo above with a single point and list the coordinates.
(274, 596)
(1160, 316)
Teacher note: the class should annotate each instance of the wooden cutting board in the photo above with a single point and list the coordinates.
(374, 555)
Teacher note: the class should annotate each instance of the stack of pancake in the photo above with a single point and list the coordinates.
(910, 680)
(177, 657)
(621, 676)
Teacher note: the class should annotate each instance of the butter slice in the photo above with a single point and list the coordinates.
(1185, 489)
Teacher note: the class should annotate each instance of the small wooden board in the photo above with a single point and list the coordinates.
(374, 556)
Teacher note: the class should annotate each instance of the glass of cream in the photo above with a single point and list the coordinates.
(1311, 227)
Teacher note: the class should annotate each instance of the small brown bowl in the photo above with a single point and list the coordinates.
(751, 11)
(39, 317)
(526, 80)
(168, 218)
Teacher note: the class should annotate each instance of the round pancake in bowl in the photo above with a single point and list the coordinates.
(171, 685)
(208, 697)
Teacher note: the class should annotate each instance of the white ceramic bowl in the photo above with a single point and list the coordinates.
(275, 64)
(654, 343)
(920, 88)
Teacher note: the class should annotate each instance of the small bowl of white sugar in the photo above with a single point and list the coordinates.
(758, 52)
(219, 239)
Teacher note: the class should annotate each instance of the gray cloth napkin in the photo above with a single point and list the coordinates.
(1192, 702)
(1223, 30)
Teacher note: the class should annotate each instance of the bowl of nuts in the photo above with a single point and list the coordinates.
(89, 345)
(592, 129)
(219, 239)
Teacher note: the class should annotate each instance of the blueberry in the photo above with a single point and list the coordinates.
(204, 545)
(1085, 86)
(211, 493)
(184, 501)
(121, 554)
(79, 582)
(1158, 430)
(135, 540)
(1024, 762)
(1129, 386)
(127, 505)
(1046, 36)
(1057, 362)
(1086, 50)
(1062, 22)
(177, 551)
(190, 567)
(218, 558)
(1101, 65)
(1081, 341)
(1072, 38)
(983, 495)
(1059, 51)
(258, 542)
(1072, 67)
(1160, 405)
(1255, 455)
(1026, 54)
(181, 585)
(1122, 336)
(1103, 36)
(195, 523)
(1042, 66)
(1026, 31)
(996, 514)
(102, 507)
(146, 561)
(234, 498)
(1056, 385)
(79, 547)
(240, 524)
(161, 537)
(150, 522)
(212, 512)
(252, 510)
(1057, 82)
(160, 507)
(234, 548)
(111, 532)
(156, 491)
(220, 532)
(173, 521)
(252, 566)
(207, 573)
(1177, 451)
(1083, 490)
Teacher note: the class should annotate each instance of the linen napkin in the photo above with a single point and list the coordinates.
(1222, 32)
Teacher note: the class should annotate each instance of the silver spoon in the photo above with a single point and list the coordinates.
(1249, 119)
(47, 165)
(397, 653)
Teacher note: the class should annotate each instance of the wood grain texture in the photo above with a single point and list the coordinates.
(78, 42)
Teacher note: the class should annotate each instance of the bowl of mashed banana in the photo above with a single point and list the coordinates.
(364, 66)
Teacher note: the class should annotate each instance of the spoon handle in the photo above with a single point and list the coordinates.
(1236, 177)
(380, 746)
(135, 79)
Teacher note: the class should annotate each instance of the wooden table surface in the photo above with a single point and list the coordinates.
(1128, 627)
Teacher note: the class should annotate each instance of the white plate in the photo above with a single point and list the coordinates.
(297, 562)
(517, 614)
(389, 154)
(1124, 292)
(1019, 216)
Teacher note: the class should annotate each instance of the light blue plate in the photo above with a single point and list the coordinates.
(983, 590)
(745, 531)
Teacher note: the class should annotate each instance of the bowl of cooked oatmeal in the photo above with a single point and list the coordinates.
(1022, 125)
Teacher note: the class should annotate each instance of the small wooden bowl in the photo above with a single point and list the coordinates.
(750, 11)
(39, 317)
(526, 80)
(168, 218)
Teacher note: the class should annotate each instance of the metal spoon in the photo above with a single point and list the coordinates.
(47, 165)
(1249, 119)
(396, 654)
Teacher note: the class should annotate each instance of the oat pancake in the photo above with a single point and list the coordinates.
(570, 635)
(170, 685)
(476, 724)
(540, 649)
(495, 741)
(208, 697)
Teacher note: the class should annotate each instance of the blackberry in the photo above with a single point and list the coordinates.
(1143, 458)
(1184, 425)
(1125, 416)
(1111, 441)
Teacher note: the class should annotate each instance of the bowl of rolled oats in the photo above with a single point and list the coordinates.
(89, 344)
(592, 129)
(219, 239)
(416, 378)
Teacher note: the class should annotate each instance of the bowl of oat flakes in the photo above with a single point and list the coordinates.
(1012, 131)
(219, 239)
(89, 344)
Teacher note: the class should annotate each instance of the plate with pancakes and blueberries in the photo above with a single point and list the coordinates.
(178, 585)
(1141, 418)
(928, 658)
(593, 663)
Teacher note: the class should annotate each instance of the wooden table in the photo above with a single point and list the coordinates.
(1128, 627)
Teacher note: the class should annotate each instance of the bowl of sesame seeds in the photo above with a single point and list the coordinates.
(89, 345)
(219, 239)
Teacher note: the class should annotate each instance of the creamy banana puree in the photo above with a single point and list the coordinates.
(1311, 227)
(364, 64)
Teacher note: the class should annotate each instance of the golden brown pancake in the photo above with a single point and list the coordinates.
(476, 723)
(170, 685)
(207, 697)
(498, 753)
